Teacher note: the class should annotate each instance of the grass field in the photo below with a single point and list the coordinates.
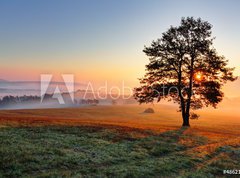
(117, 141)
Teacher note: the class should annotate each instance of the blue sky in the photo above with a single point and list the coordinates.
(101, 40)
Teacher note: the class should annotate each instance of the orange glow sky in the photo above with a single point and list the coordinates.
(101, 41)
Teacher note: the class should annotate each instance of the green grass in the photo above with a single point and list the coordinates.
(58, 151)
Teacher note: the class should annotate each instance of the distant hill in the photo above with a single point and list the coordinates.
(2, 80)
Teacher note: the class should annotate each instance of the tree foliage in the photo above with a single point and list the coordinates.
(185, 67)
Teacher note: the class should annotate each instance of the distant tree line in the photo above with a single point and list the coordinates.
(10, 100)
(13, 100)
(87, 102)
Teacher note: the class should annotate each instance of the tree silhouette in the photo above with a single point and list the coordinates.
(184, 67)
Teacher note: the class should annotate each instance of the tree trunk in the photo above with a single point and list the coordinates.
(187, 114)
(186, 121)
(188, 104)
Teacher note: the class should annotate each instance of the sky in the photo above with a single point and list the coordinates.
(101, 40)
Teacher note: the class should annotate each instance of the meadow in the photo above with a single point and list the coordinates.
(118, 141)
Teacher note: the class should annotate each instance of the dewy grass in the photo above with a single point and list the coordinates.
(58, 151)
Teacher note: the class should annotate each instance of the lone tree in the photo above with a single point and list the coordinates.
(184, 67)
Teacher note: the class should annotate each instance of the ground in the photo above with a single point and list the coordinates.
(117, 141)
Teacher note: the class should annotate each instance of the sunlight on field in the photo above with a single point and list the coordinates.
(214, 123)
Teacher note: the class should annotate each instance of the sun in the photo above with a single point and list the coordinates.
(198, 76)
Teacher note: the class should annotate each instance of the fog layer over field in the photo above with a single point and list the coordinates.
(30, 93)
